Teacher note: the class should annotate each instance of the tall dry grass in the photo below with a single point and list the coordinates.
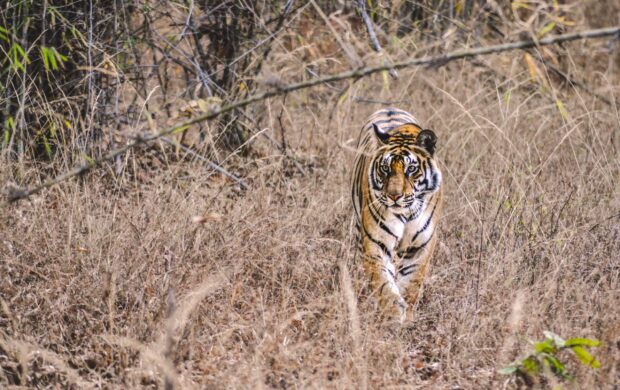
(109, 282)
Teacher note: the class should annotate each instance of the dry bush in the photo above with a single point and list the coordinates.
(111, 282)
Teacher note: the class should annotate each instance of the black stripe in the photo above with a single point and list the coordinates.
(378, 243)
(378, 220)
(395, 111)
(412, 250)
(382, 287)
(386, 270)
(426, 224)
(403, 270)
(384, 121)
(402, 218)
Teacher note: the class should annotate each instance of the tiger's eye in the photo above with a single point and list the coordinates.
(384, 167)
(411, 169)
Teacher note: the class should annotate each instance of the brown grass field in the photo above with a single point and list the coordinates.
(113, 284)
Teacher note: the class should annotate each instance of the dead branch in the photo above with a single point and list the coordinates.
(374, 42)
(209, 163)
(18, 194)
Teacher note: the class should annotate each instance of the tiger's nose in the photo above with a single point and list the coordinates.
(395, 197)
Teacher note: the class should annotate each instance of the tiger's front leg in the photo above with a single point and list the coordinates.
(413, 269)
(382, 273)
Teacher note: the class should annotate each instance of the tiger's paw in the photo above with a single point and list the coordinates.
(395, 310)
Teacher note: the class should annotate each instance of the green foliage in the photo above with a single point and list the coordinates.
(9, 126)
(17, 57)
(546, 355)
(4, 34)
(51, 58)
(37, 39)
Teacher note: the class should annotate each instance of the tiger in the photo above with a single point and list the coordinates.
(397, 195)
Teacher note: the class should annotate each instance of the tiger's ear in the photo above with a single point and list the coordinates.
(427, 139)
(383, 137)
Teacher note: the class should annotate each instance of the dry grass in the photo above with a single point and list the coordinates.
(108, 288)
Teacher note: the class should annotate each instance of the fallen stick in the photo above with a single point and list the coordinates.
(17, 194)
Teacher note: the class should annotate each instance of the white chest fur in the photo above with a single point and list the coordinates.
(418, 231)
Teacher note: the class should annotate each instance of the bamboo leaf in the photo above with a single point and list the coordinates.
(52, 59)
(554, 364)
(9, 124)
(530, 364)
(46, 61)
(5, 34)
(585, 357)
(386, 80)
(48, 148)
(179, 129)
(545, 30)
(546, 346)
(579, 341)
(562, 109)
(531, 66)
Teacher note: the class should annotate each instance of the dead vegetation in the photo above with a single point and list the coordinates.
(158, 272)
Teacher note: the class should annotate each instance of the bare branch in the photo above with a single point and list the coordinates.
(374, 42)
(209, 163)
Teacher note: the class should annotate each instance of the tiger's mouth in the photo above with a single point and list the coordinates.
(406, 202)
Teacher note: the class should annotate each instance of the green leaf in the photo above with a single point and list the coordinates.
(531, 364)
(44, 55)
(180, 129)
(556, 366)
(9, 124)
(48, 148)
(19, 57)
(513, 368)
(546, 346)
(546, 29)
(5, 34)
(579, 341)
(88, 159)
(507, 98)
(585, 357)
(53, 59)
(561, 108)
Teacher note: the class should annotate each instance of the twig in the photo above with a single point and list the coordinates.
(283, 148)
(282, 130)
(373, 101)
(361, 4)
(210, 163)
(354, 74)
(374, 42)
(479, 262)
(188, 20)
(596, 225)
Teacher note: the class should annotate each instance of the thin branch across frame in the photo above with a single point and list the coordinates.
(17, 194)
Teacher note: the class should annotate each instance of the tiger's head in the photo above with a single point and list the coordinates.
(403, 173)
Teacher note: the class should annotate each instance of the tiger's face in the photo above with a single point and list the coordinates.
(403, 174)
